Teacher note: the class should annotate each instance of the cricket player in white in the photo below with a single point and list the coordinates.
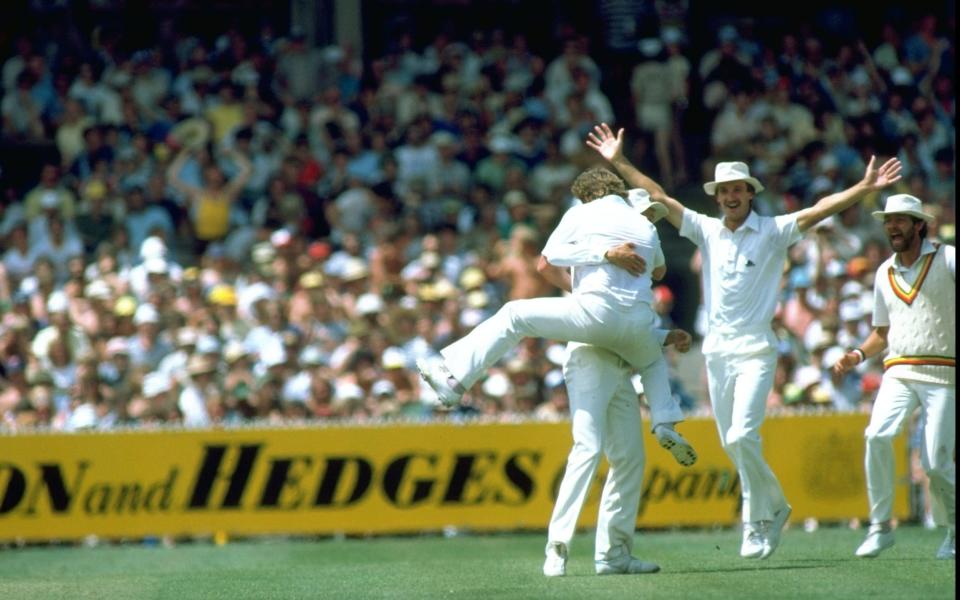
(609, 308)
(914, 321)
(743, 257)
(606, 419)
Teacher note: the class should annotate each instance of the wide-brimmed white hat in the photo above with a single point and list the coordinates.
(640, 199)
(731, 171)
(902, 204)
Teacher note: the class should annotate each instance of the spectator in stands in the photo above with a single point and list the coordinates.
(119, 118)
(209, 203)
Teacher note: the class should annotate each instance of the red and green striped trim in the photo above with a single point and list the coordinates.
(910, 295)
(937, 361)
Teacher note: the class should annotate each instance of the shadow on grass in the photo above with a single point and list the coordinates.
(825, 564)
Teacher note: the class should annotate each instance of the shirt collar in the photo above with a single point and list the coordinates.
(926, 247)
(612, 198)
(752, 222)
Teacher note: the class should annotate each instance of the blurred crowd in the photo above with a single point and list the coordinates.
(243, 226)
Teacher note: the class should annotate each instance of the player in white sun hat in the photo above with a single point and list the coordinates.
(914, 320)
(743, 256)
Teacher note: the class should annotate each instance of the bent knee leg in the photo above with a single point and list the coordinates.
(737, 438)
(878, 439)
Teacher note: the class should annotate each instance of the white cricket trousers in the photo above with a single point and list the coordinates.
(896, 400)
(740, 370)
(586, 318)
(605, 418)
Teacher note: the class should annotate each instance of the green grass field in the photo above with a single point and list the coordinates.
(695, 565)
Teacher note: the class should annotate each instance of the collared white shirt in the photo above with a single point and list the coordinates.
(741, 269)
(587, 231)
(881, 316)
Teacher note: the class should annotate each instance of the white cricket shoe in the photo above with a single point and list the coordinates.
(877, 541)
(625, 565)
(948, 550)
(556, 563)
(753, 540)
(435, 373)
(676, 444)
(775, 529)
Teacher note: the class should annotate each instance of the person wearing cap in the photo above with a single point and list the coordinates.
(609, 308)
(309, 296)
(95, 221)
(147, 347)
(156, 401)
(60, 326)
(174, 365)
(200, 390)
(345, 259)
(384, 392)
(743, 256)
(154, 265)
(914, 320)
(145, 219)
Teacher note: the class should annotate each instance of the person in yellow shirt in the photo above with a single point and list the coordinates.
(209, 204)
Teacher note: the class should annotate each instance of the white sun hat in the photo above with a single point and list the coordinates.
(640, 199)
(731, 171)
(902, 204)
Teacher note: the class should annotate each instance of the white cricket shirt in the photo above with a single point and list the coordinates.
(742, 268)
(587, 231)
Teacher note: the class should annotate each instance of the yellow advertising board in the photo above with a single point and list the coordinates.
(393, 479)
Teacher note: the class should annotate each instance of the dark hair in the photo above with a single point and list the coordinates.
(923, 229)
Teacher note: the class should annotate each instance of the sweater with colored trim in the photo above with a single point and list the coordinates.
(921, 341)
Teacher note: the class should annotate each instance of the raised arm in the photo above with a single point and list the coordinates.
(235, 186)
(873, 180)
(610, 147)
(173, 175)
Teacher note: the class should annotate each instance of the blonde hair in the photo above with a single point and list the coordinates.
(597, 182)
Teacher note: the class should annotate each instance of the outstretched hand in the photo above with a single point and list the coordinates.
(887, 174)
(604, 142)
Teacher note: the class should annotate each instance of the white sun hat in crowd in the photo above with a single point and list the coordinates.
(731, 171)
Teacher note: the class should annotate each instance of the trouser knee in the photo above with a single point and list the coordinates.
(877, 440)
(585, 454)
(736, 439)
(939, 478)
(627, 459)
(509, 312)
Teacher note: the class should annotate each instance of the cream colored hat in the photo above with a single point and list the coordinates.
(190, 133)
(731, 171)
(640, 199)
(902, 204)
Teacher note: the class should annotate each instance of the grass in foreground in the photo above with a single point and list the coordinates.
(695, 565)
